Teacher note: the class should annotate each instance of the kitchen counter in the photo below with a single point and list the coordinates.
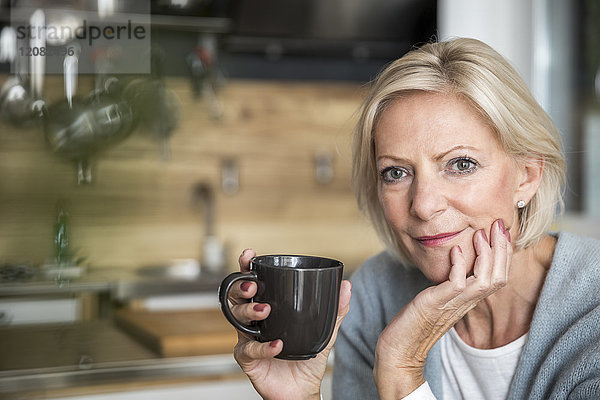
(124, 284)
(121, 284)
(116, 376)
(46, 361)
(92, 356)
(95, 357)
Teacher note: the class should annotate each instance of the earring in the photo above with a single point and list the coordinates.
(520, 204)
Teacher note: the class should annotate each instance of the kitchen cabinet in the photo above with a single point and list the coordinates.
(39, 311)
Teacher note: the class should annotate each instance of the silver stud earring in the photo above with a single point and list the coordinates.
(520, 204)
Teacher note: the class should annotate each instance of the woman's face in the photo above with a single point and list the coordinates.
(443, 175)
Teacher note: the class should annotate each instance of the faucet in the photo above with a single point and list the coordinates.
(213, 255)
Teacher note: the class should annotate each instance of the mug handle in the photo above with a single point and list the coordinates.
(223, 294)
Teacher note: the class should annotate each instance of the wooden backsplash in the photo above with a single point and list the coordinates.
(139, 209)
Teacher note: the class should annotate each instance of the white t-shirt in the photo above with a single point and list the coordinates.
(470, 373)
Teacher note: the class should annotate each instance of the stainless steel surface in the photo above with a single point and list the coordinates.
(120, 284)
(113, 372)
(343, 19)
(346, 28)
(131, 288)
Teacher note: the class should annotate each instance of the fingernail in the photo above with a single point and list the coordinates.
(501, 225)
(259, 307)
(273, 343)
(243, 252)
(460, 250)
(245, 286)
(484, 235)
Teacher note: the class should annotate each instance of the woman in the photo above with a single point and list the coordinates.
(460, 171)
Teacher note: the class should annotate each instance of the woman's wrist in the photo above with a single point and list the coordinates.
(314, 395)
(398, 387)
(394, 381)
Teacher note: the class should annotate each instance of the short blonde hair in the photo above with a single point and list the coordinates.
(474, 72)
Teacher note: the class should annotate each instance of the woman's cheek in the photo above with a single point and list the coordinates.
(391, 205)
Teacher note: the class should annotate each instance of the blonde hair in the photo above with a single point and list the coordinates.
(474, 72)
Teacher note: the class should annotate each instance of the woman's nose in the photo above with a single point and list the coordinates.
(428, 199)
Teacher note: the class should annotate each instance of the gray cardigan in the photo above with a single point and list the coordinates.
(561, 359)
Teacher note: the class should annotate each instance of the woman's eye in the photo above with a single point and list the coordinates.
(392, 174)
(463, 165)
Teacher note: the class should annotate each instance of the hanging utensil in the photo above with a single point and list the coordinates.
(113, 116)
(8, 44)
(79, 129)
(38, 61)
(17, 105)
(155, 106)
(205, 73)
(68, 125)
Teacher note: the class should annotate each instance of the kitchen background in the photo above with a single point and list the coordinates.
(239, 137)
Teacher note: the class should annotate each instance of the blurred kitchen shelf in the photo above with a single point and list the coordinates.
(194, 24)
(43, 286)
(175, 22)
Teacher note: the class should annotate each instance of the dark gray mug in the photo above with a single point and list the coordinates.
(303, 292)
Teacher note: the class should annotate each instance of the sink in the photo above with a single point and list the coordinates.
(185, 268)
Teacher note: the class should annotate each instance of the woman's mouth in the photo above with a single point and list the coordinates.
(437, 240)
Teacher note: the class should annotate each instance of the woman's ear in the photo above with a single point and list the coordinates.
(530, 178)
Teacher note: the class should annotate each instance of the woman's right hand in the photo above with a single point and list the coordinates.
(404, 344)
(271, 377)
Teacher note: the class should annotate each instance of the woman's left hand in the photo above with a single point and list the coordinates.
(274, 378)
(403, 345)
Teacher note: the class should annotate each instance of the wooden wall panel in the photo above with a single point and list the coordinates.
(140, 210)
